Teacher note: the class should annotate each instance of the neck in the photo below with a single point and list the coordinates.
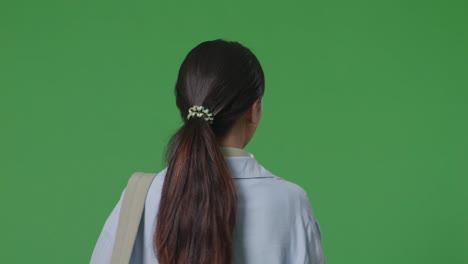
(234, 139)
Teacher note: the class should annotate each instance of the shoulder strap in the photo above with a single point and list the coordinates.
(130, 215)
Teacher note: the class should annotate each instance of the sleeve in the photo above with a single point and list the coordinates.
(312, 252)
(314, 249)
(102, 252)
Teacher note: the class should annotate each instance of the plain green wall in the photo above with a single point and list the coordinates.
(366, 107)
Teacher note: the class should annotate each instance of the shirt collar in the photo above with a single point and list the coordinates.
(242, 164)
(235, 152)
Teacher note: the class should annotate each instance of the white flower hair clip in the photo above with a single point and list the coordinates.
(200, 111)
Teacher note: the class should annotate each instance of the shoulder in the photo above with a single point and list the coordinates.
(282, 192)
(286, 186)
(102, 251)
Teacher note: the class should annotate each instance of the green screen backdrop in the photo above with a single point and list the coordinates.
(366, 108)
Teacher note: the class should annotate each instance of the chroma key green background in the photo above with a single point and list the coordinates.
(366, 107)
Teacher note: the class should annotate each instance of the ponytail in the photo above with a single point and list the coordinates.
(197, 211)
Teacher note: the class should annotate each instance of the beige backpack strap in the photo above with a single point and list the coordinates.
(130, 215)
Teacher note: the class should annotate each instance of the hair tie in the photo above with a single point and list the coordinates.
(200, 111)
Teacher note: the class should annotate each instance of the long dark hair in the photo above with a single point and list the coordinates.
(197, 211)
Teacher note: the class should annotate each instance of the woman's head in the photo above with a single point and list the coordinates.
(197, 210)
(225, 77)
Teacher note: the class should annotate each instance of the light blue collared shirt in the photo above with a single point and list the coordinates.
(275, 222)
